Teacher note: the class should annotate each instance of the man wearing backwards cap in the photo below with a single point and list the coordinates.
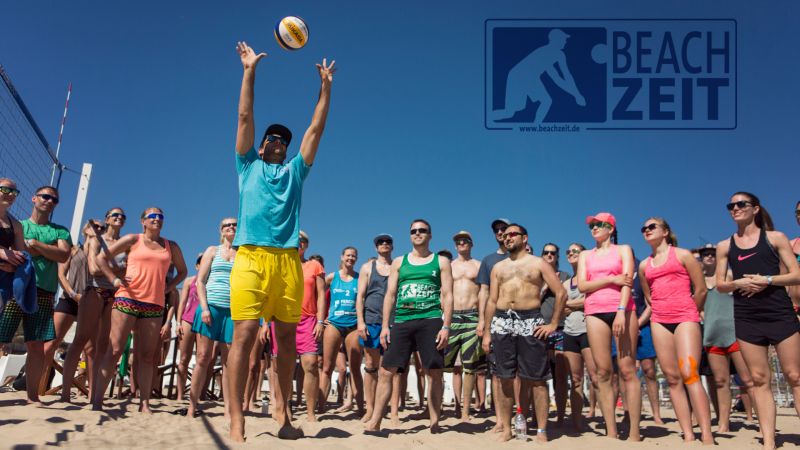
(267, 278)
(372, 280)
(463, 342)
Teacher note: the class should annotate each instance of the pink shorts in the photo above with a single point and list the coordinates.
(305, 342)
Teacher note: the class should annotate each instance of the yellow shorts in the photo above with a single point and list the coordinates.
(266, 282)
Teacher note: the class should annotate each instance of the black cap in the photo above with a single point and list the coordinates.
(280, 130)
(502, 220)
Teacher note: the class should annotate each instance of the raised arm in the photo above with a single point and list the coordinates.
(447, 301)
(308, 148)
(245, 133)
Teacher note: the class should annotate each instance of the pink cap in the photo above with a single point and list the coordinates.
(602, 217)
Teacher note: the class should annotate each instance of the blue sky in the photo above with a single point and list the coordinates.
(155, 89)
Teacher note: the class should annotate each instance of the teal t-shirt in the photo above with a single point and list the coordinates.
(46, 270)
(269, 200)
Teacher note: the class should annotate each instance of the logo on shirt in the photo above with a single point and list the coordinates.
(742, 258)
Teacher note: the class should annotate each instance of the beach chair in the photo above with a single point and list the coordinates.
(10, 365)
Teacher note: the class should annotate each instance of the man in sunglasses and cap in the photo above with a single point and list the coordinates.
(267, 277)
(464, 353)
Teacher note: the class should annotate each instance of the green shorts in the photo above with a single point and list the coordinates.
(36, 327)
(464, 345)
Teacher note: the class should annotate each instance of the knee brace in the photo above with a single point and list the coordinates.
(692, 375)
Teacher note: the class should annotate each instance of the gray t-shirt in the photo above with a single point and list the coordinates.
(549, 301)
(487, 264)
(575, 323)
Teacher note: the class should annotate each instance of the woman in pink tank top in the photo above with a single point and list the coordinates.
(139, 302)
(605, 276)
(668, 276)
(186, 309)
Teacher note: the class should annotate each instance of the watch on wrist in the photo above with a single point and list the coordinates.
(445, 327)
(769, 280)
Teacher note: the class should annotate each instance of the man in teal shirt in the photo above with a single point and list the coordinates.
(48, 244)
(267, 278)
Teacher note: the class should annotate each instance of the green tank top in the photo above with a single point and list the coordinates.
(418, 291)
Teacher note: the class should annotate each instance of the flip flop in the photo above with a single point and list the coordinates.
(197, 413)
(181, 412)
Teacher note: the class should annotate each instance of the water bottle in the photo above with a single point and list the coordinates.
(520, 425)
(265, 405)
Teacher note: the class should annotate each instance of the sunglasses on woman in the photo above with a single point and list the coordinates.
(594, 225)
(741, 204)
(153, 216)
(650, 227)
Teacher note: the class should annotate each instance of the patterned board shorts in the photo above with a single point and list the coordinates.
(516, 350)
(135, 308)
(36, 327)
(464, 343)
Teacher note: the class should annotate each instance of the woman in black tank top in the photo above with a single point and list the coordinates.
(12, 242)
(763, 313)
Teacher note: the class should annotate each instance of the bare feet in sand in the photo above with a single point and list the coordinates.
(237, 431)
(541, 436)
(505, 436)
(347, 407)
(367, 417)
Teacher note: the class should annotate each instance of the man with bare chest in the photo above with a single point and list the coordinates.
(518, 331)
(464, 346)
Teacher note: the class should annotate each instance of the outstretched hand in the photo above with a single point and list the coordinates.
(326, 71)
(249, 57)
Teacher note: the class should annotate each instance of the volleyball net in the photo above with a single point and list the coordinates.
(25, 155)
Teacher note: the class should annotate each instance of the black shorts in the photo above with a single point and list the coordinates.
(67, 305)
(517, 351)
(767, 333)
(577, 343)
(415, 335)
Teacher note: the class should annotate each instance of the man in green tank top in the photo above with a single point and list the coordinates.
(420, 292)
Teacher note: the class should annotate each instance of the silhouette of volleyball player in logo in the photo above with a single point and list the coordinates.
(525, 79)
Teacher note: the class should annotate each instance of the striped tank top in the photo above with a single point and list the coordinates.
(218, 287)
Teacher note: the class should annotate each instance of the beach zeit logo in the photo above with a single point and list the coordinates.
(610, 74)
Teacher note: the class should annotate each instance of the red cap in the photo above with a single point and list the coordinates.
(602, 217)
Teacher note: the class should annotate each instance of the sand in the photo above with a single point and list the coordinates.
(76, 426)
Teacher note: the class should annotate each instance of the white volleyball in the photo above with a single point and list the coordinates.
(291, 33)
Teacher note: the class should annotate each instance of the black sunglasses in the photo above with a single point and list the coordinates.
(48, 197)
(500, 230)
(650, 227)
(228, 225)
(419, 231)
(273, 138)
(512, 234)
(8, 190)
(549, 252)
(384, 241)
(741, 204)
(114, 215)
(463, 242)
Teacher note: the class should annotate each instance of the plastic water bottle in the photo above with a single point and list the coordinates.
(520, 425)
(265, 405)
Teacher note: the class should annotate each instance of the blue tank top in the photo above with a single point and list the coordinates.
(342, 312)
(218, 287)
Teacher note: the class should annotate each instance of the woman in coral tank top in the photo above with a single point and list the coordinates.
(669, 276)
(605, 276)
(139, 301)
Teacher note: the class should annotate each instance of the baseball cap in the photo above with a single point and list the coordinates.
(381, 237)
(705, 248)
(280, 130)
(462, 234)
(499, 220)
(303, 235)
(602, 217)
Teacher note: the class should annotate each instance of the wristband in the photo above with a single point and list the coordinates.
(620, 308)
(445, 327)
(320, 322)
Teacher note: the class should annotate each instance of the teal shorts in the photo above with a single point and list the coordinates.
(221, 328)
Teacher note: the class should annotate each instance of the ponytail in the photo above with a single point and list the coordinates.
(671, 238)
(614, 235)
(763, 220)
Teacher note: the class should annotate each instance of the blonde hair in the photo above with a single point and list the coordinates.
(672, 239)
(222, 236)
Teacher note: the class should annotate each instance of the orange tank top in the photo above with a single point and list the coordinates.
(146, 274)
